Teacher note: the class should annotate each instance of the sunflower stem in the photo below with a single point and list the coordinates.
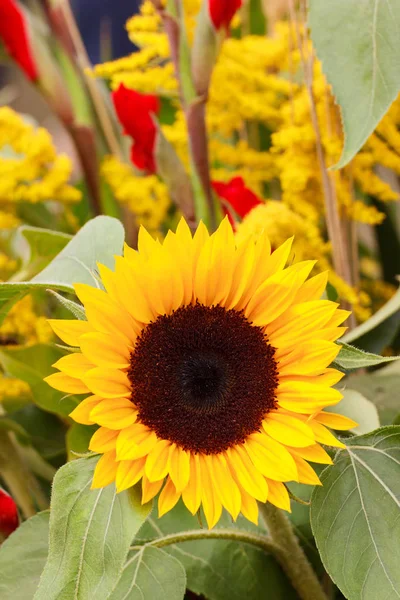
(245, 537)
(295, 562)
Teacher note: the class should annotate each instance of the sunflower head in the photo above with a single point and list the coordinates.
(205, 364)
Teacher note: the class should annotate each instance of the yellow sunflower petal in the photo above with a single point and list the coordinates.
(247, 474)
(338, 318)
(103, 440)
(179, 467)
(314, 453)
(146, 243)
(129, 284)
(150, 488)
(309, 361)
(335, 421)
(301, 396)
(212, 505)
(128, 473)
(81, 414)
(65, 383)
(104, 314)
(306, 473)
(75, 365)
(178, 250)
(70, 331)
(299, 321)
(168, 498)
(272, 298)
(278, 495)
(271, 458)
(157, 463)
(288, 430)
(105, 470)
(191, 495)
(116, 413)
(106, 349)
(249, 507)
(223, 483)
(313, 288)
(241, 275)
(323, 435)
(108, 383)
(135, 441)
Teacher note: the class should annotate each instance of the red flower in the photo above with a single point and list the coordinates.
(135, 112)
(239, 200)
(222, 11)
(15, 37)
(8, 514)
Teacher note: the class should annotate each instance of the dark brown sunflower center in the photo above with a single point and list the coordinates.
(203, 377)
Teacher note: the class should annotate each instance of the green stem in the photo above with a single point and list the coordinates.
(261, 541)
(295, 562)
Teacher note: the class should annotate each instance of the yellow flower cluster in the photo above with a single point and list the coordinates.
(13, 388)
(30, 169)
(260, 128)
(147, 197)
(22, 326)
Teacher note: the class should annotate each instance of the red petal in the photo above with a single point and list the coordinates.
(14, 35)
(222, 11)
(135, 113)
(237, 195)
(8, 514)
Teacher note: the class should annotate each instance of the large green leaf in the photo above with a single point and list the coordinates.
(355, 516)
(357, 43)
(220, 569)
(382, 388)
(151, 574)
(42, 246)
(22, 558)
(350, 358)
(98, 241)
(32, 364)
(90, 535)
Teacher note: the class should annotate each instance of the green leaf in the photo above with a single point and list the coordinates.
(90, 535)
(350, 358)
(98, 241)
(221, 569)
(355, 516)
(357, 43)
(32, 364)
(151, 574)
(378, 331)
(22, 558)
(355, 406)
(382, 388)
(43, 246)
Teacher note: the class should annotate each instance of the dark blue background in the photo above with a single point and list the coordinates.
(91, 13)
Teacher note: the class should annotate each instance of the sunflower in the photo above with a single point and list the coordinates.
(207, 364)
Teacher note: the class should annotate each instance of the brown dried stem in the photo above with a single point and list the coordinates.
(341, 261)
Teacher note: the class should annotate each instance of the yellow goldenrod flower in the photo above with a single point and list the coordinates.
(22, 326)
(205, 386)
(146, 196)
(13, 388)
(30, 169)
